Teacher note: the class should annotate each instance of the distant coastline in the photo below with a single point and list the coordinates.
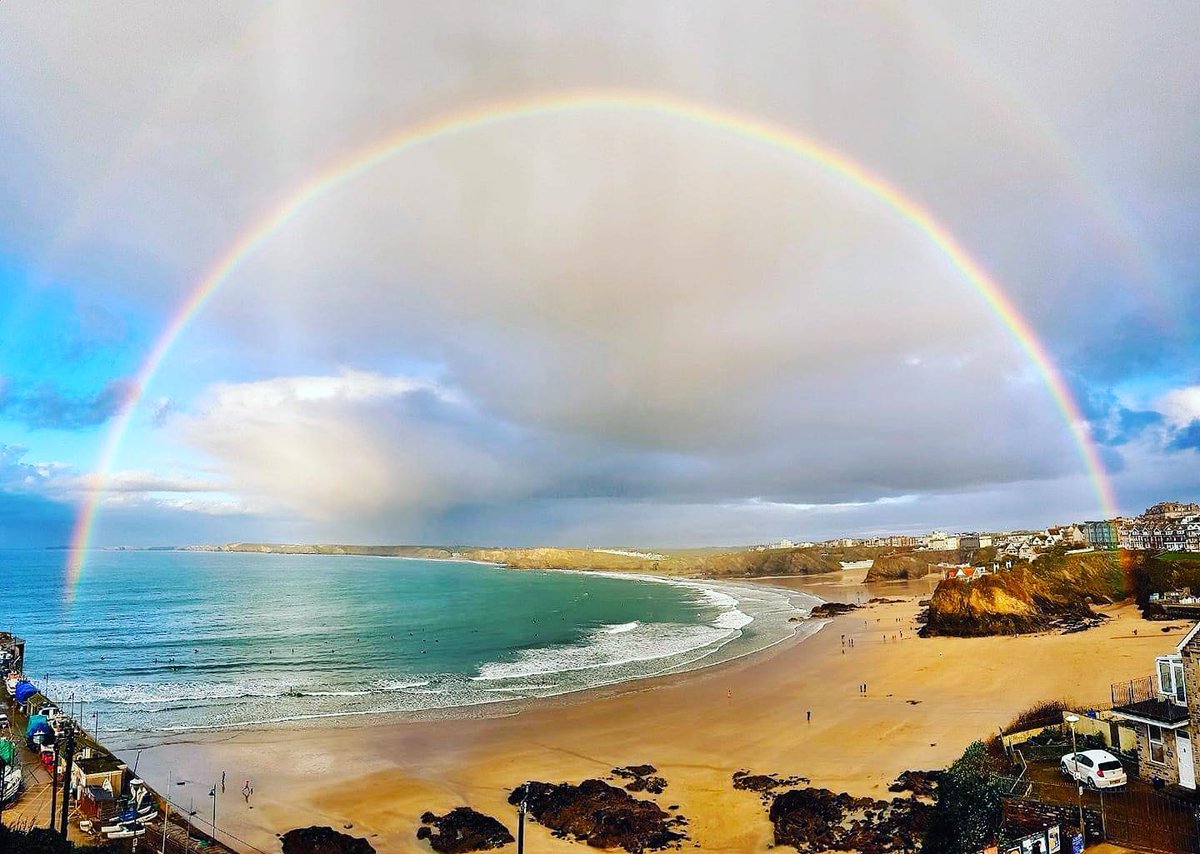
(714, 563)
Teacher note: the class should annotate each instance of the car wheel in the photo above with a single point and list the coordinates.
(1091, 784)
(1063, 767)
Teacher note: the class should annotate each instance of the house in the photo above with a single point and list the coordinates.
(974, 541)
(1163, 710)
(1101, 535)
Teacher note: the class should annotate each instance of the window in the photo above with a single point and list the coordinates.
(1170, 678)
(1155, 737)
(1110, 765)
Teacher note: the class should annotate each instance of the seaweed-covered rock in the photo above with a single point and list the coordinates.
(323, 840)
(599, 814)
(815, 820)
(462, 830)
(641, 778)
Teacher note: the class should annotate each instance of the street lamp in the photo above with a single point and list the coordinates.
(1072, 720)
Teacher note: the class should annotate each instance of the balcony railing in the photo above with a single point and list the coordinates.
(1133, 691)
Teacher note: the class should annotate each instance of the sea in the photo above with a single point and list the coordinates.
(170, 641)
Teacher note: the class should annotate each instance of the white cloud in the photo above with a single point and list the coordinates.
(357, 446)
(1181, 406)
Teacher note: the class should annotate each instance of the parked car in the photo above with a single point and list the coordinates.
(1096, 769)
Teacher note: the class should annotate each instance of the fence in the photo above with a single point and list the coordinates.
(1136, 817)
(1132, 691)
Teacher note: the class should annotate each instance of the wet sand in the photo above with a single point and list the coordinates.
(925, 701)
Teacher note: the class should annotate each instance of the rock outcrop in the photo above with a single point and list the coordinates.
(323, 840)
(601, 815)
(1055, 593)
(642, 778)
(462, 830)
(817, 820)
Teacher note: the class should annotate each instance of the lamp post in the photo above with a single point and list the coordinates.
(213, 795)
(1072, 720)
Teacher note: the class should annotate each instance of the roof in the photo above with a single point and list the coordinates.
(1186, 638)
(99, 765)
(1154, 711)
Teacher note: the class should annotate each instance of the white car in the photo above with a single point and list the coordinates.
(1096, 769)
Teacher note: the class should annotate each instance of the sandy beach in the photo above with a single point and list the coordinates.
(925, 701)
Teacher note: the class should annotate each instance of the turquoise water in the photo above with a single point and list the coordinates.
(163, 641)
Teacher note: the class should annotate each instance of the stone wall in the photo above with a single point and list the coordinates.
(1147, 768)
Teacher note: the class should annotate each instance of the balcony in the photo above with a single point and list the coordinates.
(1139, 698)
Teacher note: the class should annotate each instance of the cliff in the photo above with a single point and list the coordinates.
(1056, 591)
(913, 564)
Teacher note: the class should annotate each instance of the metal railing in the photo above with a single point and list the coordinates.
(1133, 691)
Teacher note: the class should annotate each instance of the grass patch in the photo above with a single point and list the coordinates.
(1191, 557)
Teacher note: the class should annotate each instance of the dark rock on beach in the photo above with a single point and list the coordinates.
(635, 770)
(832, 609)
(641, 779)
(922, 784)
(599, 814)
(323, 840)
(815, 820)
(462, 830)
(764, 784)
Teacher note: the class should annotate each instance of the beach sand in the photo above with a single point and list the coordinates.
(925, 701)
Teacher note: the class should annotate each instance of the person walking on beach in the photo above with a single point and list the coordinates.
(246, 791)
(809, 713)
(222, 782)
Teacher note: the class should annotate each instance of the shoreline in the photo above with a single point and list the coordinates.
(926, 700)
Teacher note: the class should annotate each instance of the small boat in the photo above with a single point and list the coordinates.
(11, 784)
(117, 825)
(126, 831)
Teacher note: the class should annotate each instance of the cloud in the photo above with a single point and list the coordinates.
(45, 406)
(1187, 438)
(358, 444)
(1181, 406)
(622, 311)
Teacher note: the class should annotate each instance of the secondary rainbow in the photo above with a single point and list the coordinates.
(495, 113)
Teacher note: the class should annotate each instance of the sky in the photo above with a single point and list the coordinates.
(603, 326)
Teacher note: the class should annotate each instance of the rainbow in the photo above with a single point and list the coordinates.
(777, 136)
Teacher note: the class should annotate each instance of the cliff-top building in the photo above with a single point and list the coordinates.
(1165, 510)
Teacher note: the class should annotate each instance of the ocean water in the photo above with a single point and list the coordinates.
(174, 641)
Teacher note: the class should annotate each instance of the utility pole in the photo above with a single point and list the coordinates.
(213, 795)
(166, 811)
(66, 795)
(521, 826)
(3, 770)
